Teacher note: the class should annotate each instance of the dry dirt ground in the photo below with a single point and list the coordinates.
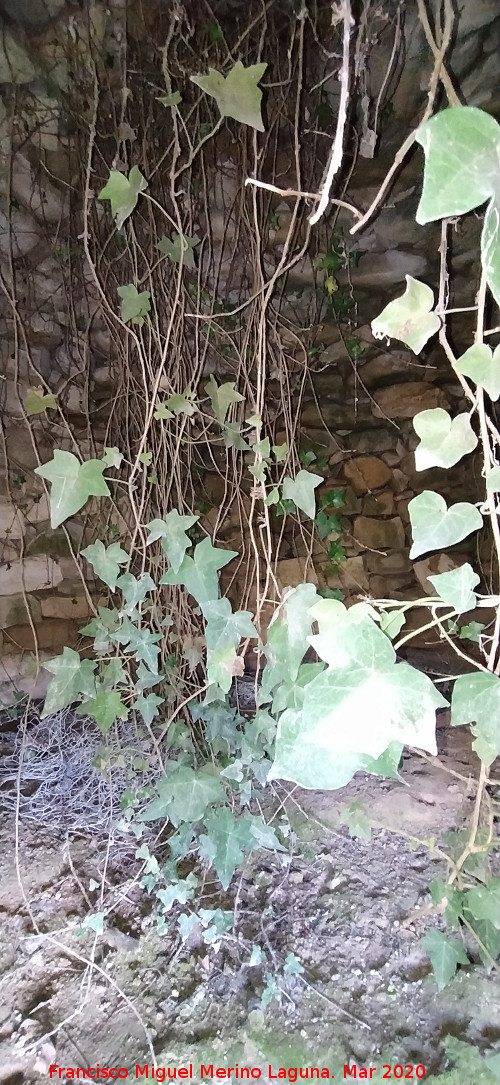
(351, 912)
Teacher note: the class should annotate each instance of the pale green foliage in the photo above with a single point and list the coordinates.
(476, 701)
(443, 440)
(462, 155)
(134, 307)
(301, 490)
(172, 532)
(106, 561)
(409, 318)
(221, 397)
(123, 193)
(445, 953)
(482, 365)
(36, 402)
(179, 249)
(238, 94)
(456, 587)
(72, 483)
(436, 526)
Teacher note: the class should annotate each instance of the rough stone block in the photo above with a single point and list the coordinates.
(379, 534)
(367, 473)
(33, 574)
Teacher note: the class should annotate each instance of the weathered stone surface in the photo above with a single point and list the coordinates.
(376, 439)
(45, 202)
(12, 525)
(50, 634)
(32, 574)
(388, 587)
(379, 505)
(406, 400)
(367, 473)
(388, 564)
(294, 571)
(379, 534)
(22, 233)
(13, 610)
(351, 575)
(387, 269)
(385, 367)
(15, 63)
(65, 607)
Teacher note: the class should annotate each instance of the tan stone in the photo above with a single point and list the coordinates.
(65, 606)
(438, 563)
(407, 400)
(13, 610)
(379, 534)
(351, 575)
(38, 510)
(20, 673)
(379, 504)
(294, 571)
(31, 574)
(385, 587)
(50, 634)
(367, 473)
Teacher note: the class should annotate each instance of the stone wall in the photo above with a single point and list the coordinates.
(357, 408)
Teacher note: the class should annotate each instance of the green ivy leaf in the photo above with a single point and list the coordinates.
(280, 452)
(287, 638)
(482, 365)
(105, 708)
(434, 526)
(199, 574)
(72, 483)
(354, 816)
(476, 701)
(170, 100)
(148, 707)
(409, 318)
(134, 306)
(461, 162)
(238, 94)
(456, 587)
(471, 631)
(445, 954)
(392, 622)
(172, 531)
(233, 437)
(146, 458)
(112, 457)
(72, 677)
(123, 193)
(134, 589)
(143, 644)
(179, 249)
(483, 902)
(301, 489)
(162, 413)
(225, 628)
(221, 397)
(112, 674)
(102, 628)
(490, 247)
(326, 524)
(106, 561)
(224, 843)
(493, 480)
(274, 496)
(183, 403)
(443, 441)
(36, 402)
(184, 794)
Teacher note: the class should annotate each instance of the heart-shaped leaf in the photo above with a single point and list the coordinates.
(476, 701)
(72, 678)
(456, 587)
(238, 94)
(443, 441)
(123, 193)
(434, 526)
(490, 247)
(36, 402)
(409, 318)
(493, 480)
(482, 365)
(221, 397)
(461, 162)
(172, 532)
(301, 490)
(106, 561)
(72, 483)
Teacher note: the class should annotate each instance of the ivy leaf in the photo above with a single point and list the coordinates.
(162, 413)
(483, 902)
(106, 561)
(179, 249)
(184, 794)
(482, 365)
(225, 842)
(199, 574)
(222, 664)
(233, 438)
(434, 526)
(326, 524)
(461, 162)
(493, 480)
(112, 457)
(36, 402)
(123, 193)
(456, 587)
(72, 677)
(143, 645)
(357, 821)
(182, 403)
(102, 628)
(472, 631)
(148, 707)
(409, 318)
(172, 532)
(490, 247)
(105, 708)
(301, 489)
(112, 674)
(134, 589)
(392, 622)
(134, 306)
(476, 701)
(445, 954)
(221, 397)
(225, 628)
(443, 441)
(280, 452)
(238, 95)
(146, 678)
(170, 100)
(72, 483)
